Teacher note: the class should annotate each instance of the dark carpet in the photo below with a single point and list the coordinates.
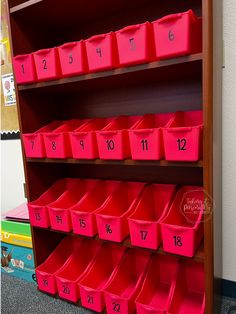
(20, 297)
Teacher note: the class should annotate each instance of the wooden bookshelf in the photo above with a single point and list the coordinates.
(184, 83)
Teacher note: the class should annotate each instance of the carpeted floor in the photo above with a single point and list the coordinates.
(20, 297)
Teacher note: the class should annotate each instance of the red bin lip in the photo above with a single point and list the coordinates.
(177, 201)
(67, 126)
(98, 188)
(91, 126)
(49, 196)
(118, 124)
(23, 56)
(99, 37)
(170, 188)
(132, 28)
(55, 261)
(46, 51)
(107, 260)
(79, 185)
(181, 123)
(87, 253)
(140, 260)
(137, 188)
(167, 265)
(175, 16)
(190, 278)
(70, 44)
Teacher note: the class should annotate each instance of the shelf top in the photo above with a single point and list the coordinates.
(115, 72)
(126, 162)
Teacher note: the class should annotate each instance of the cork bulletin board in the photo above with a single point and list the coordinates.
(9, 120)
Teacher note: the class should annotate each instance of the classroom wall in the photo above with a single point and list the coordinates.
(229, 140)
(12, 175)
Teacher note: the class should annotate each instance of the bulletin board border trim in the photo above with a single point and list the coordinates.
(10, 136)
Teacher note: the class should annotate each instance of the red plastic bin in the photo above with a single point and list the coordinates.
(83, 213)
(122, 291)
(189, 291)
(157, 289)
(99, 276)
(145, 136)
(59, 213)
(38, 211)
(135, 44)
(83, 140)
(113, 139)
(46, 272)
(47, 64)
(182, 229)
(73, 58)
(24, 69)
(75, 268)
(153, 206)
(102, 52)
(112, 216)
(178, 35)
(57, 142)
(183, 138)
(34, 143)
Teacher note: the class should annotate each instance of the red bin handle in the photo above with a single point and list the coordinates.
(71, 44)
(130, 28)
(170, 17)
(98, 37)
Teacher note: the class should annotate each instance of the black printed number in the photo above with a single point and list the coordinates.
(66, 289)
(110, 144)
(82, 223)
(132, 44)
(59, 219)
(45, 282)
(116, 307)
(182, 143)
(71, 59)
(23, 68)
(108, 229)
(90, 299)
(144, 144)
(37, 216)
(54, 146)
(171, 35)
(177, 241)
(99, 51)
(143, 234)
(45, 64)
(82, 144)
(32, 145)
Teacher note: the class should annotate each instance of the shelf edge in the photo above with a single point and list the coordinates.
(118, 71)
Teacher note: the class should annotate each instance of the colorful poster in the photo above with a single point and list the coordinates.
(8, 87)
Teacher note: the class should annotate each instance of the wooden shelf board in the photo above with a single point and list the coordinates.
(199, 254)
(119, 71)
(126, 162)
(24, 5)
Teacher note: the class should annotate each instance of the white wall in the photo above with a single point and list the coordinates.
(12, 175)
(229, 141)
